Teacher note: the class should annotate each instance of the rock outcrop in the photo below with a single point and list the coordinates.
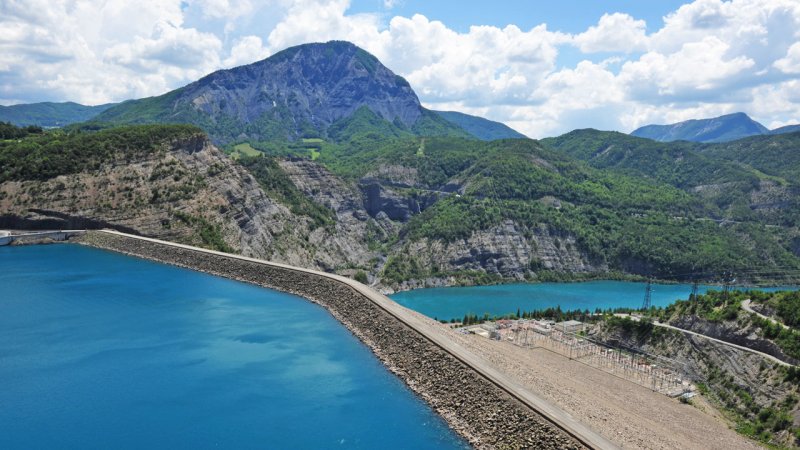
(508, 251)
(190, 192)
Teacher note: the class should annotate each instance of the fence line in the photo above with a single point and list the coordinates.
(654, 372)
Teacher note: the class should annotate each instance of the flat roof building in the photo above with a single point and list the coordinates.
(570, 326)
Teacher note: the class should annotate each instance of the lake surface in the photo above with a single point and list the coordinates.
(454, 302)
(101, 350)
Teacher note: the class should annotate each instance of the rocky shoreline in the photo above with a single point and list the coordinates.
(485, 415)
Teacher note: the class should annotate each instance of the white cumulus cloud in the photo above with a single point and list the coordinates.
(791, 62)
(615, 32)
(246, 50)
(708, 57)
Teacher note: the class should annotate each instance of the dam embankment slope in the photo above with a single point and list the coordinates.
(478, 401)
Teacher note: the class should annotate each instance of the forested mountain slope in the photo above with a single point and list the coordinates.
(405, 211)
(49, 114)
(479, 127)
(751, 179)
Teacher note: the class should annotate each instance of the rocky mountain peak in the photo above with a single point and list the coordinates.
(296, 92)
(317, 83)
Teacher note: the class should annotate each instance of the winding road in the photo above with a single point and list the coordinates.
(739, 347)
(746, 307)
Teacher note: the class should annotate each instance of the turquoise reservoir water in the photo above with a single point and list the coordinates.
(100, 350)
(454, 302)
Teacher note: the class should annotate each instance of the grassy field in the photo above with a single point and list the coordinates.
(245, 149)
(314, 145)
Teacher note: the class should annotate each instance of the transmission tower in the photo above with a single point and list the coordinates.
(728, 283)
(693, 295)
(648, 291)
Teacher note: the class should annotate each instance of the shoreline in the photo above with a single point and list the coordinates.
(476, 407)
(627, 279)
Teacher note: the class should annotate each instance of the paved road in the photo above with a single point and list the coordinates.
(765, 355)
(552, 413)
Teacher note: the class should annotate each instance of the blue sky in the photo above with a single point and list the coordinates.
(572, 16)
(544, 68)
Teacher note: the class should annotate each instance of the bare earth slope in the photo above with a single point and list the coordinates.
(627, 414)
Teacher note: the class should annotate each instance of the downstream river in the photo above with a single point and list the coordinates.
(101, 350)
(454, 302)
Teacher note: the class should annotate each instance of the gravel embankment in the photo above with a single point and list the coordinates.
(474, 407)
(628, 414)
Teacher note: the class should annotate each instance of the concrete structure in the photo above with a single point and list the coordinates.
(570, 326)
(35, 237)
(541, 328)
(480, 331)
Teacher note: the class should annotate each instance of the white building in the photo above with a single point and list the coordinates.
(570, 326)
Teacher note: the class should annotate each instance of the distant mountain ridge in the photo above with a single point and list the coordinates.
(483, 129)
(725, 128)
(301, 92)
(786, 129)
(718, 129)
(48, 114)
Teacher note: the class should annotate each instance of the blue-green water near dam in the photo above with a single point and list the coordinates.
(100, 350)
(497, 300)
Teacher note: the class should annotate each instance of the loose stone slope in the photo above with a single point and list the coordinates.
(473, 406)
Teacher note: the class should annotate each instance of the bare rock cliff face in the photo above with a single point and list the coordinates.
(346, 245)
(190, 192)
(509, 251)
(187, 184)
(733, 333)
(369, 230)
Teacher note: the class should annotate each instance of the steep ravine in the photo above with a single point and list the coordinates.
(371, 216)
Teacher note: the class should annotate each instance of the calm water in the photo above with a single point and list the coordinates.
(454, 302)
(100, 350)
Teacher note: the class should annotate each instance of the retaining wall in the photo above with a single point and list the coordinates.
(38, 237)
(473, 405)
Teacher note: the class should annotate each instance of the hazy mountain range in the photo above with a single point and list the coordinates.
(718, 129)
(48, 114)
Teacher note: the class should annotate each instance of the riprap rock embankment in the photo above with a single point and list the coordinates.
(475, 407)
